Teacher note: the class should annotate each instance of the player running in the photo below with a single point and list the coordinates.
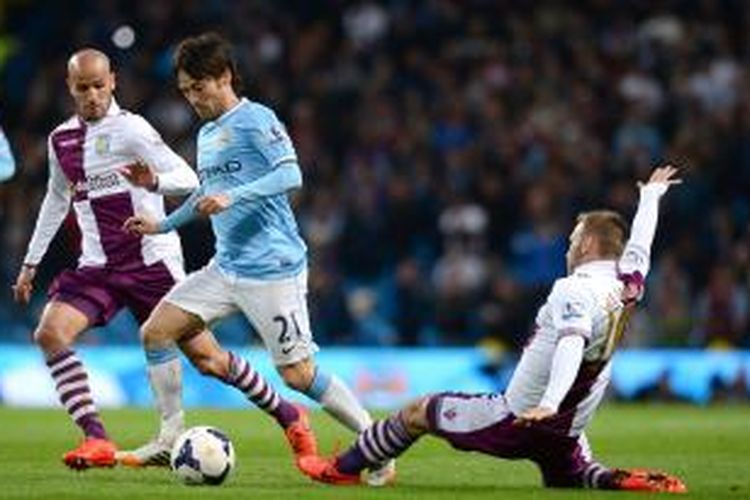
(7, 163)
(560, 379)
(247, 165)
(115, 269)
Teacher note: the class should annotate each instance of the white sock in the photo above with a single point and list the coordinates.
(165, 375)
(339, 401)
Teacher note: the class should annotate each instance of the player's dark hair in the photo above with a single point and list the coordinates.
(609, 228)
(207, 55)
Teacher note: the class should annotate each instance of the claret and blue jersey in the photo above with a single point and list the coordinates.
(248, 154)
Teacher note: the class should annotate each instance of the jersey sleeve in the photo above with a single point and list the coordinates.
(571, 309)
(634, 265)
(272, 140)
(174, 174)
(7, 163)
(52, 213)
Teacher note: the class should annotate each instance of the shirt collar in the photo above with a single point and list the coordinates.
(113, 109)
(597, 267)
(231, 110)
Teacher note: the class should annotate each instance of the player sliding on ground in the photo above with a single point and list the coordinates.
(560, 379)
(247, 166)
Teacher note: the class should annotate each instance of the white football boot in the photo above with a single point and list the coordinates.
(155, 453)
(383, 475)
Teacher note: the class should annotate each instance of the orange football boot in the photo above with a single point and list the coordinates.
(647, 480)
(92, 452)
(300, 435)
(324, 470)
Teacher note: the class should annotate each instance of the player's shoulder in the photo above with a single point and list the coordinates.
(132, 120)
(573, 287)
(71, 123)
(254, 114)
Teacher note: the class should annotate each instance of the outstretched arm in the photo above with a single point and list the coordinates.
(634, 264)
(146, 224)
(281, 179)
(159, 169)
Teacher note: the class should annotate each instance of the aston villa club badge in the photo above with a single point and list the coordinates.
(101, 144)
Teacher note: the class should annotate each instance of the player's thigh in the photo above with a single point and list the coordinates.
(142, 291)
(476, 422)
(60, 325)
(278, 312)
(168, 323)
(206, 294)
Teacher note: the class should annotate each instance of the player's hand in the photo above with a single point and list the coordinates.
(141, 174)
(661, 179)
(141, 224)
(534, 415)
(24, 284)
(213, 204)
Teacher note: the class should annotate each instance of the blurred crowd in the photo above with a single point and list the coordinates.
(447, 146)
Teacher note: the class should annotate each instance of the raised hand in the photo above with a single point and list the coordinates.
(663, 177)
(140, 174)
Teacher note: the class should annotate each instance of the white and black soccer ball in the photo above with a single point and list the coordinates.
(202, 455)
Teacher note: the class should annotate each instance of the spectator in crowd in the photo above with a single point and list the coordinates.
(408, 113)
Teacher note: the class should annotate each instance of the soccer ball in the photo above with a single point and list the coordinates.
(202, 455)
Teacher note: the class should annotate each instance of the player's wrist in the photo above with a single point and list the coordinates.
(654, 190)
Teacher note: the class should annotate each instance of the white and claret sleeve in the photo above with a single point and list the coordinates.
(175, 177)
(53, 211)
(572, 320)
(634, 264)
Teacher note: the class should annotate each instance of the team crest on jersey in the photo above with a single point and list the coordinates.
(572, 310)
(101, 144)
(224, 137)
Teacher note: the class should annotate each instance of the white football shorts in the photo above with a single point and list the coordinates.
(277, 309)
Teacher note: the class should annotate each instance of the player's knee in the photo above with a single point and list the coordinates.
(152, 335)
(49, 338)
(415, 417)
(299, 375)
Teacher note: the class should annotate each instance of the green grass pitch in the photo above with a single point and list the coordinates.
(708, 447)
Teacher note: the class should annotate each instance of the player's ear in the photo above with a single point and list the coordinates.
(112, 80)
(588, 244)
(226, 78)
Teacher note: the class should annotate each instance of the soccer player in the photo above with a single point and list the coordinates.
(7, 163)
(560, 379)
(115, 269)
(247, 165)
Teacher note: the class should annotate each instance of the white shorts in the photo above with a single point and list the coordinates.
(276, 309)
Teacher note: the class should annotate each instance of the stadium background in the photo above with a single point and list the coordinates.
(446, 148)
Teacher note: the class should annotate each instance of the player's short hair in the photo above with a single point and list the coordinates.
(207, 55)
(609, 228)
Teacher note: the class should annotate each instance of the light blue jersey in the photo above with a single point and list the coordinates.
(7, 164)
(247, 154)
